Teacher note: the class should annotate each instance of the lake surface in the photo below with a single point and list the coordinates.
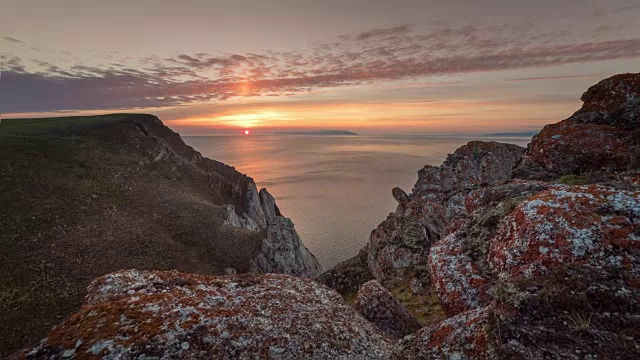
(336, 189)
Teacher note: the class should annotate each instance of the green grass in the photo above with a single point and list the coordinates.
(574, 180)
(57, 124)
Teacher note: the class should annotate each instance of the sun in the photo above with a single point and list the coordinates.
(247, 132)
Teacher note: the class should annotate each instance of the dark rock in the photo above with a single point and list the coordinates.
(348, 276)
(400, 196)
(377, 305)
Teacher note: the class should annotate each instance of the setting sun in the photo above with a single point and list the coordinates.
(247, 132)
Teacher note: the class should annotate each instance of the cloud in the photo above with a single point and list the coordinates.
(369, 57)
(10, 39)
(563, 77)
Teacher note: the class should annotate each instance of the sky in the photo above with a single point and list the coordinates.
(371, 66)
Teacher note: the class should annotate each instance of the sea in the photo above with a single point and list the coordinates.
(335, 188)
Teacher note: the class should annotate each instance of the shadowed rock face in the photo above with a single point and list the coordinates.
(170, 315)
(377, 305)
(282, 250)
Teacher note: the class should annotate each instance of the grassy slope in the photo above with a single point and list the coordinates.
(82, 196)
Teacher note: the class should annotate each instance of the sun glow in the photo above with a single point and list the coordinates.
(250, 120)
(247, 132)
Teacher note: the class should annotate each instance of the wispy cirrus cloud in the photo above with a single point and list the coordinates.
(372, 56)
(10, 39)
(562, 77)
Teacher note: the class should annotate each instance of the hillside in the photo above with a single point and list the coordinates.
(85, 196)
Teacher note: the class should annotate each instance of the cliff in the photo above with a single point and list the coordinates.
(531, 253)
(501, 252)
(86, 196)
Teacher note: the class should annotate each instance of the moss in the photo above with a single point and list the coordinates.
(425, 307)
(574, 180)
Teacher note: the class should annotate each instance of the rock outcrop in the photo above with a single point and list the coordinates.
(378, 306)
(282, 249)
(435, 207)
(603, 136)
(85, 196)
(348, 276)
(534, 254)
(169, 315)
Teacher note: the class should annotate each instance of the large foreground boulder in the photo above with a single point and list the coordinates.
(169, 315)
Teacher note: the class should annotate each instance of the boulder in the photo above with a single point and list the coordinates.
(167, 315)
(603, 136)
(377, 305)
(464, 336)
(591, 224)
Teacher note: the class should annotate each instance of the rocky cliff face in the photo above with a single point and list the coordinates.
(282, 250)
(82, 197)
(400, 245)
(534, 253)
(603, 136)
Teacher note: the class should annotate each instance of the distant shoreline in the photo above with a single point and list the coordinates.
(506, 134)
(317, 132)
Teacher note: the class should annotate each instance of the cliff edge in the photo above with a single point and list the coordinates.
(86, 196)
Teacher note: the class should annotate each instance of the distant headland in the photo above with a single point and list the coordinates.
(507, 134)
(317, 132)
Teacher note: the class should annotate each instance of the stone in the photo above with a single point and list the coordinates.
(377, 305)
(348, 276)
(603, 136)
(464, 336)
(282, 249)
(202, 317)
(591, 224)
(436, 207)
(400, 196)
(456, 277)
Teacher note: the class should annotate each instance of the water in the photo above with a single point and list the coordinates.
(336, 189)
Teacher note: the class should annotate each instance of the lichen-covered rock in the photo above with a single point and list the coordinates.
(377, 305)
(575, 311)
(603, 136)
(456, 277)
(464, 336)
(436, 206)
(397, 245)
(348, 276)
(169, 315)
(459, 270)
(593, 224)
